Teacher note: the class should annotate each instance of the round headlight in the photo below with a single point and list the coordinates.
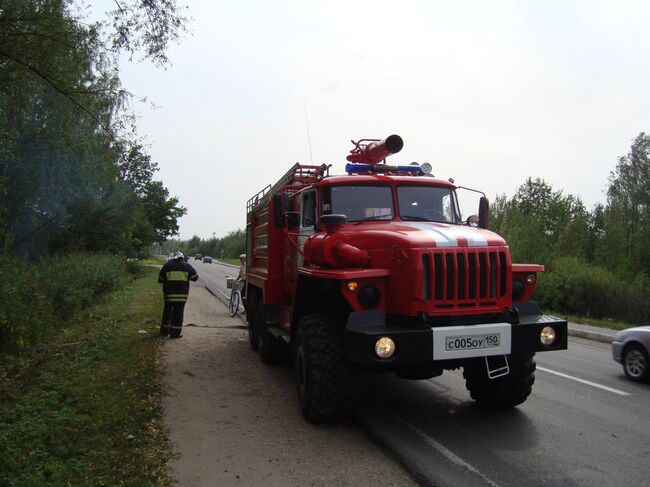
(384, 347)
(547, 336)
(369, 296)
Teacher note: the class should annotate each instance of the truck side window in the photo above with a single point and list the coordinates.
(309, 209)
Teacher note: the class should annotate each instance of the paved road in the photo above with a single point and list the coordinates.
(584, 424)
(213, 276)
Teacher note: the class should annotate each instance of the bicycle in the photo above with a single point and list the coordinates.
(235, 298)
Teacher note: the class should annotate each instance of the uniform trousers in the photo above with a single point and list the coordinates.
(172, 318)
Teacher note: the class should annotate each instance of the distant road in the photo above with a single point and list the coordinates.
(214, 275)
(584, 424)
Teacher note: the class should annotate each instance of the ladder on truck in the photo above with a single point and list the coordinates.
(298, 175)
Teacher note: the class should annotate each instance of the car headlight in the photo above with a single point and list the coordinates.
(384, 347)
(547, 336)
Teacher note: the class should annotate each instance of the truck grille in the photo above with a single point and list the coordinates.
(465, 278)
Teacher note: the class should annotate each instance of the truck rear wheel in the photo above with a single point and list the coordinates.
(503, 392)
(322, 373)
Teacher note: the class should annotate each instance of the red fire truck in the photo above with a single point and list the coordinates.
(376, 271)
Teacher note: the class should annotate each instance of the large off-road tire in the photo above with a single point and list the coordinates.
(503, 392)
(272, 350)
(322, 373)
(635, 363)
(253, 317)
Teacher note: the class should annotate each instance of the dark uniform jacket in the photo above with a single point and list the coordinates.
(175, 277)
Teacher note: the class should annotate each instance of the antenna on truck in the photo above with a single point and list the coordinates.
(311, 159)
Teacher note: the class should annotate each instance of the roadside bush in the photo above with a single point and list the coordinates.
(76, 280)
(38, 297)
(574, 286)
(24, 311)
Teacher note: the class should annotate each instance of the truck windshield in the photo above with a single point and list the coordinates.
(427, 203)
(359, 203)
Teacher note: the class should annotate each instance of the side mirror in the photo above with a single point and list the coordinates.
(483, 211)
(293, 219)
(472, 221)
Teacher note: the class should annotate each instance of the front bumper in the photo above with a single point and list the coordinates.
(416, 345)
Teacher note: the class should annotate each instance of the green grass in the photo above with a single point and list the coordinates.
(585, 320)
(89, 414)
(153, 260)
(230, 261)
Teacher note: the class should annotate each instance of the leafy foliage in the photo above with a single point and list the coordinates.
(232, 245)
(627, 217)
(573, 286)
(73, 174)
(598, 262)
(44, 294)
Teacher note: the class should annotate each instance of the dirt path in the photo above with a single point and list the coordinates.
(235, 421)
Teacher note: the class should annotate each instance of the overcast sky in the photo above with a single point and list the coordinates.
(489, 93)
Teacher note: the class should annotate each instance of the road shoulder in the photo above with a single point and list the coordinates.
(234, 421)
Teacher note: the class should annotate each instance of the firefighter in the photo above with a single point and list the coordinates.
(175, 276)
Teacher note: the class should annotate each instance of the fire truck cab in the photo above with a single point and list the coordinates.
(376, 270)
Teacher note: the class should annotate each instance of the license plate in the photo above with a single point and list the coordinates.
(475, 342)
(453, 342)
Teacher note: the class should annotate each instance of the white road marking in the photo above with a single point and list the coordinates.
(584, 381)
(446, 452)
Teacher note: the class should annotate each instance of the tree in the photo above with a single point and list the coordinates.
(73, 173)
(627, 217)
(161, 211)
(540, 223)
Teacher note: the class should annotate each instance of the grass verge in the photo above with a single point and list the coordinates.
(153, 260)
(586, 320)
(87, 411)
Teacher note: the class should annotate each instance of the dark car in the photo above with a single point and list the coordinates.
(207, 259)
(198, 257)
(630, 349)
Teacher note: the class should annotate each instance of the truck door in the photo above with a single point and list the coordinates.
(307, 221)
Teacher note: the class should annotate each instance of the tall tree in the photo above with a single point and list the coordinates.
(628, 213)
(540, 223)
(69, 160)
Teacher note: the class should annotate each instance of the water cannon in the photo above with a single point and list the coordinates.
(373, 151)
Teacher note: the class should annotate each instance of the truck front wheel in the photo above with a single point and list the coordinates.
(322, 374)
(503, 392)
